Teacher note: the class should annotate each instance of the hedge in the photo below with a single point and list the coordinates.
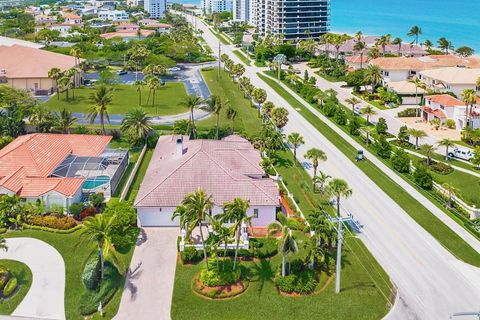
(10, 287)
(32, 227)
(91, 273)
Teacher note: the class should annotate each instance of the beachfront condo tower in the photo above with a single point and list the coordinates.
(156, 8)
(241, 11)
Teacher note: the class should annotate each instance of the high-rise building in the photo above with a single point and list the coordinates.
(241, 10)
(293, 19)
(211, 6)
(156, 8)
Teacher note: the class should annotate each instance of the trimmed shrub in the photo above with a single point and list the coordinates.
(3, 230)
(88, 212)
(191, 255)
(219, 276)
(91, 273)
(96, 199)
(4, 277)
(53, 222)
(303, 282)
(76, 209)
(440, 167)
(409, 112)
(10, 287)
(423, 178)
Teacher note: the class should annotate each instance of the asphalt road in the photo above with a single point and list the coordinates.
(431, 282)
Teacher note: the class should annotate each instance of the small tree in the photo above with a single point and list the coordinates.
(354, 126)
(340, 117)
(423, 178)
(384, 149)
(368, 111)
(280, 117)
(447, 143)
(403, 134)
(428, 149)
(381, 126)
(476, 157)
(296, 140)
(401, 161)
(338, 188)
(417, 134)
(450, 190)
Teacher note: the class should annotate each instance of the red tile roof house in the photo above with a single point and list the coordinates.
(60, 169)
(225, 169)
(441, 107)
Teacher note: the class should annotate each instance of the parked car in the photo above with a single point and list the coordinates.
(174, 69)
(464, 154)
(122, 72)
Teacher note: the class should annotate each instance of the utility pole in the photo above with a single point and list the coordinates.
(219, 60)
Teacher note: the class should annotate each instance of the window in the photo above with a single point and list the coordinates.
(255, 213)
(160, 209)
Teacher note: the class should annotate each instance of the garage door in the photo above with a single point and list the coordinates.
(153, 217)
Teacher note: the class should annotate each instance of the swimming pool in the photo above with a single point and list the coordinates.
(94, 182)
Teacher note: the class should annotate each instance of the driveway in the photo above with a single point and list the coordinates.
(149, 286)
(45, 299)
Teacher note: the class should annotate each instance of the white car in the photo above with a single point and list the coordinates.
(463, 154)
(174, 69)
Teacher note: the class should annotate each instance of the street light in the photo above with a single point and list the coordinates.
(279, 60)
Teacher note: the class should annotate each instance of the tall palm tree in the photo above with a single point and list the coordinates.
(353, 102)
(444, 44)
(259, 96)
(398, 41)
(193, 210)
(429, 150)
(383, 42)
(288, 243)
(215, 105)
(315, 155)
(139, 84)
(100, 99)
(191, 102)
(231, 115)
(450, 190)
(76, 52)
(338, 188)
(296, 140)
(153, 84)
(321, 179)
(137, 125)
(66, 120)
(447, 143)
(428, 44)
(469, 98)
(418, 85)
(55, 74)
(415, 31)
(417, 134)
(235, 212)
(368, 111)
(98, 229)
(373, 76)
(71, 74)
(65, 82)
(360, 47)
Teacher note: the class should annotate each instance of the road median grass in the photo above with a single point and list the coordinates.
(446, 236)
(242, 57)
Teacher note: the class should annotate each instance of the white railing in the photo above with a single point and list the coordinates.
(244, 240)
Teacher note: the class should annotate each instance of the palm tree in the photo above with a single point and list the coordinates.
(215, 105)
(418, 85)
(288, 243)
(444, 44)
(71, 74)
(469, 98)
(66, 120)
(138, 84)
(320, 244)
(353, 102)
(368, 111)
(428, 149)
(259, 96)
(224, 234)
(98, 229)
(398, 41)
(320, 98)
(383, 42)
(338, 188)
(191, 102)
(320, 179)
(235, 212)
(76, 52)
(315, 155)
(360, 47)
(100, 99)
(417, 134)
(55, 74)
(428, 44)
(65, 82)
(450, 190)
(137, 125)
(415, 31)
(296, 140)
(193, 210)
(231, 115)
(373, 76)
(447, 143)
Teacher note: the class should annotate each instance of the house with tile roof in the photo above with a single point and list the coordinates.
(451, 79)
(444, 106)
(225, 169)
(60, 169)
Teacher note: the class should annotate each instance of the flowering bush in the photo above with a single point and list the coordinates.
(53, 222)
(88, 212)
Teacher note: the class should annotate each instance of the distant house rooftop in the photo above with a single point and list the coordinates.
(6, 41)
(445, 100)
(424, 63)
(454, 75)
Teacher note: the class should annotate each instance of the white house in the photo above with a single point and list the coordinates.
(72, 18)
(452, 79)
(65, 29)
(445, 107)
(113, 15)
(225, 169)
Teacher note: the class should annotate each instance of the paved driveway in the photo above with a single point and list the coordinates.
(149, 287)
(45, 299)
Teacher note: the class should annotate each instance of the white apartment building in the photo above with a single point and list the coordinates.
(257, 15)
(211, 6)
(156, 8)
(241, 10)
(113, 15)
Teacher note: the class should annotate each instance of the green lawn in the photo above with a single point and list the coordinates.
(135, 186)
(24, 279)
(224, 40)
(247, 119)
(446, 236)
(125, 98)
(75, 257)
(242, 57)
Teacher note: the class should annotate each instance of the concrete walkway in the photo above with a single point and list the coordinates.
(149, 286)
(46, 297)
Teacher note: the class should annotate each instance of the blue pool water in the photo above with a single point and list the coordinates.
(92, 183)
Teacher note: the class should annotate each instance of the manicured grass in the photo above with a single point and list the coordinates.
(242, 57)
(329, 78)
(247, 119)
(24, 279)
(75, 257)
(374, 103)
(446, 236)
(135, 186)
(220, 37)
(125, 98)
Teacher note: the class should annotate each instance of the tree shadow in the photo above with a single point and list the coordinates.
(262, 272)
(132, 275)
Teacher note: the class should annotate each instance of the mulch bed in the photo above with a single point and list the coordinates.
(219, 292)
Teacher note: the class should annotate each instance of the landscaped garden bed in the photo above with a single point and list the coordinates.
(15, 281)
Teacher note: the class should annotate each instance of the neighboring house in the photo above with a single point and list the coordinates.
(445, 107)
(6, 41)
(453, 79)
(356, 62)
(32, 73)
(42, 18)
(404, 68)
(65, 29)
(72, 18)
(128, 32)
(154, 24)
(407, 91)
(60, 169)
(225, 169)
(113, 15)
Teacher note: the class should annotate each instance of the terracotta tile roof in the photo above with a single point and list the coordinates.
(71, 16)
(27, 162)
(357, 59)
(226, 169)
(454, 75)
(424, 63)
(445, 100)
(436, 112)
(126, 34)
(35, 62)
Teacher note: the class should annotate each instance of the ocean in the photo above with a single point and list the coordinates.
(456, 20)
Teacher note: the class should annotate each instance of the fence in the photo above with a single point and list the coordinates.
(133, 173)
